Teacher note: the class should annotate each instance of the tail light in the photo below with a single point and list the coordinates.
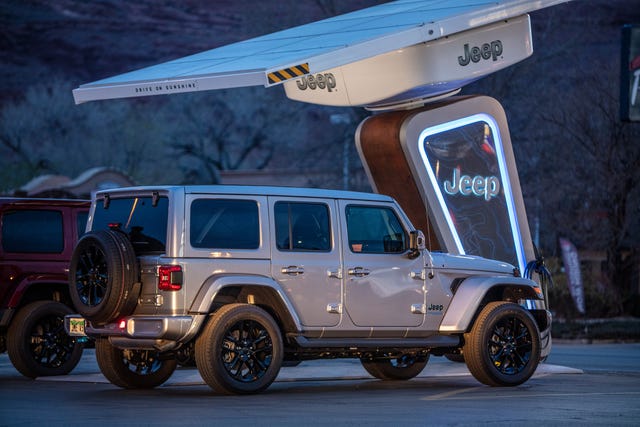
(170, 278)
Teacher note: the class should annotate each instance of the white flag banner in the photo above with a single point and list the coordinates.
(574, 277)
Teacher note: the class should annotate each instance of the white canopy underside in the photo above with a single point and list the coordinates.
(275, 58)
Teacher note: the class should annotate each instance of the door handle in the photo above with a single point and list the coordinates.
(292, 270)
(359, 272)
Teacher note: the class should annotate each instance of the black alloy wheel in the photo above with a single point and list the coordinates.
(396, 367)
(133, 369)
(240, 350)
(37, 342)
(503, 347)
(92, 276)
(104, 283)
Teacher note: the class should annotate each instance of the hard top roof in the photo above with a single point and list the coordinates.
(255, 190)
(42, 202)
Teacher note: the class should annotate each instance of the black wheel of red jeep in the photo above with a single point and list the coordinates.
(503, 347)
(37, 343)
(239, 350)
(133, 369)
(397, 367)
(103, 276)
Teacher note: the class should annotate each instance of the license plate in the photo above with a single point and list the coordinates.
(76, 327)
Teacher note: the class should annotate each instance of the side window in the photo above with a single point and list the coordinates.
(225, 224)
(33, 231)
(374, 229)
(302, 226)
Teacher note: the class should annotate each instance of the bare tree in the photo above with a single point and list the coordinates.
(596, 167)
(224, 131)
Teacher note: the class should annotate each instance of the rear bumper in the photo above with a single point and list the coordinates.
(139, 331)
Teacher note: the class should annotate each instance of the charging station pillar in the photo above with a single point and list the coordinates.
(451, 167)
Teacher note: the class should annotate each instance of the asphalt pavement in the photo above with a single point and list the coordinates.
(87, 371)
(580, 384)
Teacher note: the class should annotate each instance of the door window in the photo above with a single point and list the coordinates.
(374, 229)
(302, 226)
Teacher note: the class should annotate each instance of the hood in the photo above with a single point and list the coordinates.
(470, 263)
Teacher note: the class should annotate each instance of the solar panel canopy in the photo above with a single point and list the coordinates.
(314, 48)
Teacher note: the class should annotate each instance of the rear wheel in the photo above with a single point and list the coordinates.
(503, 347)
(239, 350)
(37, 342)
(103, 274)
(397, 367)
(133, 368)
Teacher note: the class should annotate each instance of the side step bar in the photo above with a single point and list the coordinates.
(364, 343)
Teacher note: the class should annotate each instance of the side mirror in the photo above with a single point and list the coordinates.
(416, 243)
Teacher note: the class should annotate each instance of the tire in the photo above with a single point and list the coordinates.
(37, 343)
(503, 347)
(402, 367)
(103, 276)
(133, 369)
(240, 350)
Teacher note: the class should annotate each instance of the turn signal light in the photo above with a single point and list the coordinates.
(169, 277)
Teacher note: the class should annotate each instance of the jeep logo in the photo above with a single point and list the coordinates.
(487, 187)
(319, 81)
(487, 51)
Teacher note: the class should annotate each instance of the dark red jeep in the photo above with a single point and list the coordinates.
(37, 237)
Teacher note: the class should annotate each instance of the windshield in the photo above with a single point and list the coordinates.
(144, 223)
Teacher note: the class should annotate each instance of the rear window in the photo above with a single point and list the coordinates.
(225, 224)
(32, 231)
(144, 223)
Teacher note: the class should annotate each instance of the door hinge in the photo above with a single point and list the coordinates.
(418, 308)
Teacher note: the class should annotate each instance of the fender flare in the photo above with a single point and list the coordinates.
(30, 282)
(213, 285)
(470, 295)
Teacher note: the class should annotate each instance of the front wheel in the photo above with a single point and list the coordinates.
(240, 350)
(37, 343)
(133, 368)
(397, 367)
(503, 347)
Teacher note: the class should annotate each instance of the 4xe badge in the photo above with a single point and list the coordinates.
(486, 51)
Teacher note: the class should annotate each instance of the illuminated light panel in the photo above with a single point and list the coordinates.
(504, 179)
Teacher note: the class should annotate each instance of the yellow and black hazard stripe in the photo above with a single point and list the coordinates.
(288, 73)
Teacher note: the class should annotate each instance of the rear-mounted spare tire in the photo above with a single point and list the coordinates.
(103, 276)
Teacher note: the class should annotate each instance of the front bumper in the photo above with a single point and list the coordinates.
(545, 337)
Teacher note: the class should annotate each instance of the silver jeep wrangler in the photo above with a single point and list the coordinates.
(244, 279)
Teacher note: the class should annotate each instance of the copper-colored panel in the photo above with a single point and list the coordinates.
(380, 146)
